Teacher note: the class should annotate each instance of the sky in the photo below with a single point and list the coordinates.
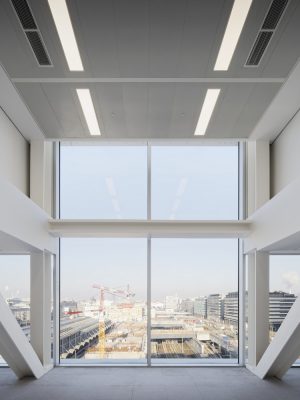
(110, 182)
(186, 267)
(190, 182)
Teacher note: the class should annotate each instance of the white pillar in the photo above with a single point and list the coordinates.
(284, 349)
(258, 174)
(258, 306)
(14, 346)
(41, 174)
(40, 305)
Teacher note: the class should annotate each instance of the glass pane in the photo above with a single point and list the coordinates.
(104, 182)
(103, 300)
(199, 182)
(194, 310)
(284, 288)
(15, 288)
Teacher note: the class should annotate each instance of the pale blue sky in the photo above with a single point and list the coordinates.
(189, 182)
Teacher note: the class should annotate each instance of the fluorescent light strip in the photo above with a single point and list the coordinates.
(232, 33)
(66, 34)
(88, 109)
(210, 101)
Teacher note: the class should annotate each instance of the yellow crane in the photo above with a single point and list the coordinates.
(119, 292)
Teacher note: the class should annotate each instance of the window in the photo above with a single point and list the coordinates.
(284, 288)
(104, 283)
(15, 288)
(194, 311)
(103, 182)
(103, 312)
(194, 183)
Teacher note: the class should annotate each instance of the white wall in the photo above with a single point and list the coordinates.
(285, 156)
(14, 155)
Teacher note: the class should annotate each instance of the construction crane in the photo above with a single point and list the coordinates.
(119, 292)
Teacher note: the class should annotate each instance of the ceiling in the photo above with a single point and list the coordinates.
(148, 64)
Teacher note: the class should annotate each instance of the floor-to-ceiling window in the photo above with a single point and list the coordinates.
(106, 283)
(194, 299)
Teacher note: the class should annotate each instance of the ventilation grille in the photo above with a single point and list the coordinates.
(32, 32)
(259, 47)
(265, 34)
(274, 14)
(24, 14)
(38, 48)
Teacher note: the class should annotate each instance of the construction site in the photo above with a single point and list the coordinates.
(117, 329)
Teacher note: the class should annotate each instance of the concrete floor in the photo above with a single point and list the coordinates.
(149, 383)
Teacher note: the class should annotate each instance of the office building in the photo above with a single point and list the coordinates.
(200, 307)
(280, 304)
(215, 307)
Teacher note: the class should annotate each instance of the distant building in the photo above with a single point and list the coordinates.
(172, 303)
(231, 308)
(215, 307)
(20, 309)
(187, 305)
(200, 307)
(279, 305)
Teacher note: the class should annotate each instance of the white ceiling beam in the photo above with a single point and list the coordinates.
(15, 347)
(281, 110)
(140, 228)
(284, 349)
(15, 108)
(276, 225)
(22, 220)
(208, 80)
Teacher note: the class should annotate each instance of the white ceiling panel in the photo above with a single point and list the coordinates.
(161, 43)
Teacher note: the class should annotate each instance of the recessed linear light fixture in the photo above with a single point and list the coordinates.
(210, 101)
(232, 33)
(88, 109)
(66, 34)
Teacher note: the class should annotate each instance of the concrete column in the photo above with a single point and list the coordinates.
(258, 306)
(40, 305)
(41, 174)
(14, 346)
(258, 174)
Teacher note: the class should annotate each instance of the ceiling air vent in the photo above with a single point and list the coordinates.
(32, 32)
(274, 14)
(24, 13)
(266, 31)
(38, 48)
(259, 48)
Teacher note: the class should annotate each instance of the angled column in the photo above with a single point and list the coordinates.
(258, 306)
(14, 346)
(284, 349)
(40, 305)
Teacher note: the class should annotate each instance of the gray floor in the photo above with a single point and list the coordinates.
(149, 383)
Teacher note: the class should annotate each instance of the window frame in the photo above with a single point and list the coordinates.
(241, 258)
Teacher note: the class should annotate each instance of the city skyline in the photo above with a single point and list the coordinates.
(284, 275)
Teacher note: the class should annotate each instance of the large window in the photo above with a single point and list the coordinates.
(15, 288)
(103, 182)
(103, 312)
(194, 311)
(106, 283)
(194, 183)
